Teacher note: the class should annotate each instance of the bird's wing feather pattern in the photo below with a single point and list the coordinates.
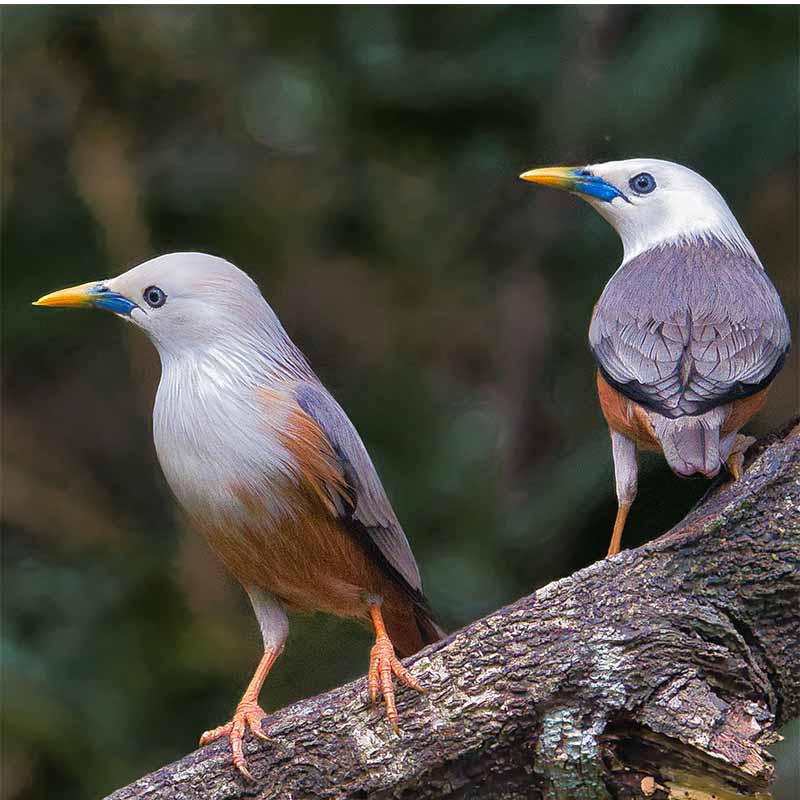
(368, 514)
(684, 328)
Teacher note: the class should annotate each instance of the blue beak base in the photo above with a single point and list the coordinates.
(586, 183)
(114, 302)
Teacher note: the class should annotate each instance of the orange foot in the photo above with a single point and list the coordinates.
(383, 664)
(247, 714)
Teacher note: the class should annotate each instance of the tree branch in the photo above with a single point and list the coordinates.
(663, 672)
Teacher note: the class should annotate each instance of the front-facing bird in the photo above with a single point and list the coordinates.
(268, 466)
(688, 333)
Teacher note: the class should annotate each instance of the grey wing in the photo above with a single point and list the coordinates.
(370, 517)
(680, 346)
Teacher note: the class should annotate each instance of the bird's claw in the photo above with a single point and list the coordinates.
(247, 715)
(383, 666)
(735, 461)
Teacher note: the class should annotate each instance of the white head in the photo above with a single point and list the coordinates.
(650, 202)
(189, 304)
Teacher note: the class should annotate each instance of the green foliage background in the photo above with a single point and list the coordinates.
(361, 163)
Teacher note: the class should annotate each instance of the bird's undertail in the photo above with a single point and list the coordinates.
(429, 629)
(692, 444)
(412, 630)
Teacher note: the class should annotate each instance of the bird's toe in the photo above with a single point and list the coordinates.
(215, 733)
(247, 715)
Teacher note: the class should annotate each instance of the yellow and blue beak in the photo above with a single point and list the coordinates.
(579, 180)
(89, 295)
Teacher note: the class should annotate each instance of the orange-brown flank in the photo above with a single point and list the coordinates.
(632, 420)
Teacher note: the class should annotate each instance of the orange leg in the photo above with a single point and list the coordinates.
(619, 526)
(383, 664)
(248, 714)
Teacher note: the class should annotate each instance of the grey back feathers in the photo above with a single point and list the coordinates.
(685, 327)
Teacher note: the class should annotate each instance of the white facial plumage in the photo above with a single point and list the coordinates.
(682, 206)
(205, 301)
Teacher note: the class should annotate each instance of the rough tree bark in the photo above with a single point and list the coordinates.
(660, 673)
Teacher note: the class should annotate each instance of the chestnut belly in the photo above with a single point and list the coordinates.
(306, 558)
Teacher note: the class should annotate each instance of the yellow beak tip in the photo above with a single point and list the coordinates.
(45, 301)
(73, 296)
(557, 177)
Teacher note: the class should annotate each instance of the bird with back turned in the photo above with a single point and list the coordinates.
(269, 467)
(688, 333)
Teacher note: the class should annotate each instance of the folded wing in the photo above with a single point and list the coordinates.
(684, 329)
(366, 511)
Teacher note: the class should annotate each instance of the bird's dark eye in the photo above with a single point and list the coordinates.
(154, 297)
(643, 183)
